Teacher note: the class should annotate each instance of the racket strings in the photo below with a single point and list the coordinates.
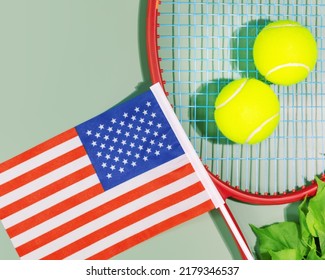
(203, 46)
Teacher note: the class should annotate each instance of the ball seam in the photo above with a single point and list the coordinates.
(281, 26)
(291, 64)
(260, 127)
(232, 96)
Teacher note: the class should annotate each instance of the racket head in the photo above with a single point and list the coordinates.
(198, 22)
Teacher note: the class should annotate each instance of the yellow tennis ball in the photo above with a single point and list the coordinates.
(247, 111)
(285, 52)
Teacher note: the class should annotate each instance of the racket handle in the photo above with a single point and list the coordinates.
(236, 232)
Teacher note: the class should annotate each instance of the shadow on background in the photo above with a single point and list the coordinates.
(202, 103)
(202, 107)
(242, 49)
(225, 233)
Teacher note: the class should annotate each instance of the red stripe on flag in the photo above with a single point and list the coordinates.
(126, 221)
(46, 191)
(67, 135)
(102, 209)
(153, 231)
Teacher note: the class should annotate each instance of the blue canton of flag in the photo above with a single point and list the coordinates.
(129, 140)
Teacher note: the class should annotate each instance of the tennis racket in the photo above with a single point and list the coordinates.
(195, 47)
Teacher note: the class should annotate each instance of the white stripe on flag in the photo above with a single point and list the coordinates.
(142, 225)
(111, 217)
(40, 159)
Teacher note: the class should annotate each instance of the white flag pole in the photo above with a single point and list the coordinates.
(201, 172)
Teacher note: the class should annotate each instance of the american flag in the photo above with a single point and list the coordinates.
(103, 186)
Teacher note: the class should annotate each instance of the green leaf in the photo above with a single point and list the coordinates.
(278, 237)
(288, 240)
(286, 254)
(320, 183)
(312, 254)
(302, 212)
(315, 217)
(305, 235)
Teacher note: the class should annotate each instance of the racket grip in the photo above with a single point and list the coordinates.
(236, 232)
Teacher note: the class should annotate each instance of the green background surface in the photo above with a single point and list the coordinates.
(65, 61)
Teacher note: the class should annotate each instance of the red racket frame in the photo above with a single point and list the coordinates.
(225, 188)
